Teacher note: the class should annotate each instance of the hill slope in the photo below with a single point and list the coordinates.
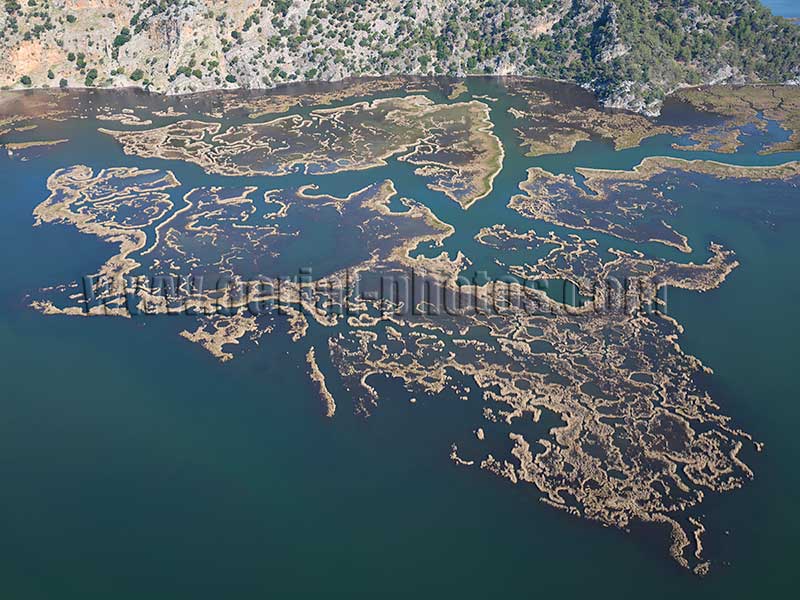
(631, 52)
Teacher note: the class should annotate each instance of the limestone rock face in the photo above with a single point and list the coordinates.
(630, 53)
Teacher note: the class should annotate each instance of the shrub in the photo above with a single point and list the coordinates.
(25, 80)
(123, 38)
(90, 77)
(137, 75)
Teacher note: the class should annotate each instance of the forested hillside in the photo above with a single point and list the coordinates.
(631, 52)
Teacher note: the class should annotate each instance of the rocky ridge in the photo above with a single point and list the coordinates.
(630, 52)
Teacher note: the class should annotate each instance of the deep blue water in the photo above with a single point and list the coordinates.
(136, 465)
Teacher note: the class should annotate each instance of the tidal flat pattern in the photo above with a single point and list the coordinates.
(592, 402)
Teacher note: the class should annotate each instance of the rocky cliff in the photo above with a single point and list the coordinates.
(631, 52)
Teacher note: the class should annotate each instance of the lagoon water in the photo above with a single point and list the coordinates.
(136, 465)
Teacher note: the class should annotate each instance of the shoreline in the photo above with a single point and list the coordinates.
(286, 88)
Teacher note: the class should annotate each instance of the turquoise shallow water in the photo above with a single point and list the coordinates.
(135, 464)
